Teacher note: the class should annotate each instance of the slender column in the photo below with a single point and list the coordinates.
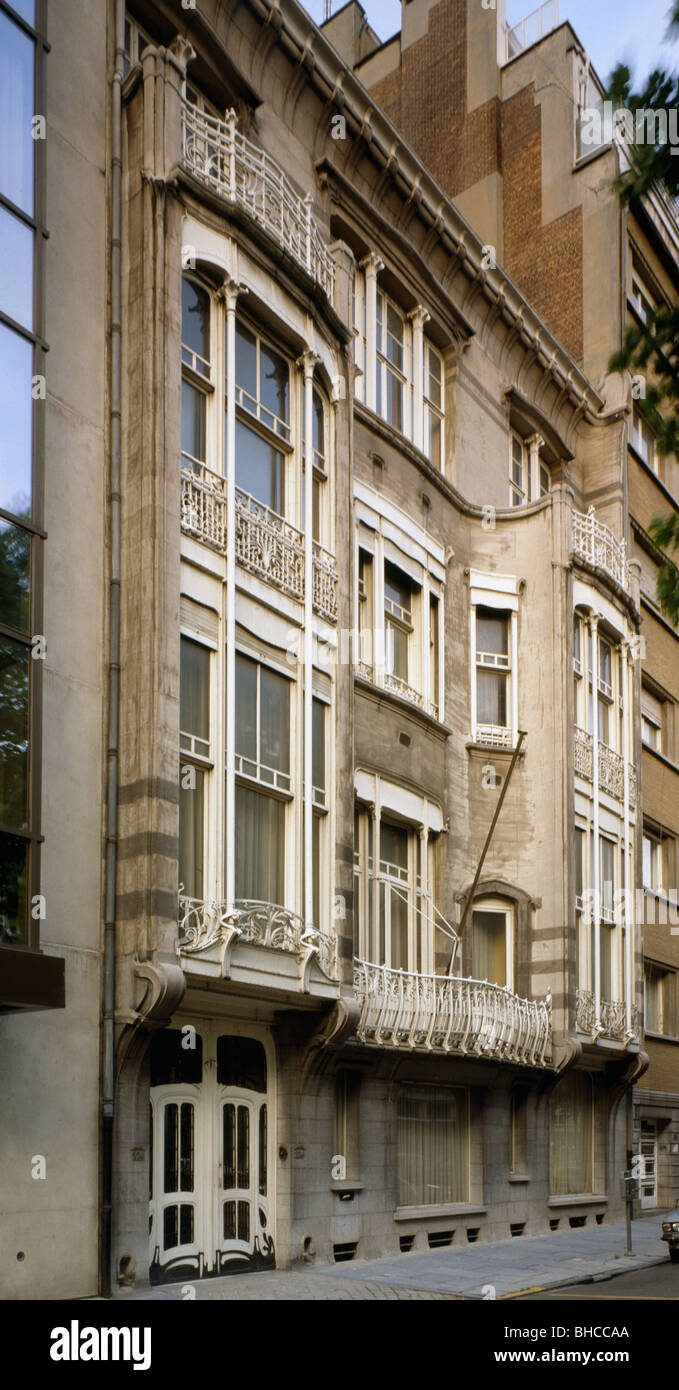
(628, 897)
(231, 290)
(535, 444)
(307, 363)
(372, 265)
(425, 963)
(514, 623)
(418, 317)
(380, 626)
(594, 629)
(378, 926)
(472, 639)
(425, 685)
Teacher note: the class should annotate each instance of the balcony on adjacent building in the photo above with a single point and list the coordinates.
(266, 544)
(595, 543)
(217, 154)
(611, 767)
(516, 37)
(611, 1024)
(444, 1014)
(256, 944)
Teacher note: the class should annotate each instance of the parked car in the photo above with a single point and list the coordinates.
(670, 1233)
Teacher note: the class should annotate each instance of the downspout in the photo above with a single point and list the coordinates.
(108, 1079)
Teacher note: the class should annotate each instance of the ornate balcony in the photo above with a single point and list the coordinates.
(611, 767)
(255, 943)
(494, 736)
(612, 1021)
(440, 1013)
(266, 544)
(595, 543)
(215, 152)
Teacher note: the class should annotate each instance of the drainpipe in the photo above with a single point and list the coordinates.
(108, 1079)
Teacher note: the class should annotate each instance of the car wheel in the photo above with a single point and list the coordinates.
(674, 1254)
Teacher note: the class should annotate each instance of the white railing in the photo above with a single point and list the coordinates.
(540, 22)
(266, 544)
(611, 767)
(203, 924)
(612, 1020)
(441, 1013)
(216, 153)
(494, 736)
(594, 542)
(400, 687)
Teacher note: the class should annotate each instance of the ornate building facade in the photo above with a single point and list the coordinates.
(352, 609)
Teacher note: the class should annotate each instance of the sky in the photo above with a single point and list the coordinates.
(611, 31)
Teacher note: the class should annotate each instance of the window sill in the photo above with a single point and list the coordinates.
(444, 1209)
(401, 703)
(581, 1199)
(346, 1185)
(518, 1178)
(661, 1037)
(30, 980)
(494, 748)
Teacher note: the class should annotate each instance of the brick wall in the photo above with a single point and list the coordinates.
(426, 98)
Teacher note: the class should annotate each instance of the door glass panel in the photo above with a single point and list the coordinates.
(186, 1182)
(262, 1150)
(243, 1147)
(241, 1062)
(243, 1220)
(229, 1146)
(186, 1225)
(170, 1234)
(170, 1178)
(229, 1220)
(173, 1062)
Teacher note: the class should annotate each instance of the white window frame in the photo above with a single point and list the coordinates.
(499, 592)
(643, 441)
(500, 908)
(534, 481)
(281, 783)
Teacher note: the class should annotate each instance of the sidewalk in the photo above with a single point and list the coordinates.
(501, 1270)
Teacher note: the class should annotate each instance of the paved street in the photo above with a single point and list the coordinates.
(658, 1282)
(506, 1269)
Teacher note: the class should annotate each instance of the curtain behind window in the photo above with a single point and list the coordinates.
(260, 846)
(570, 1135)
(489, 947)
(433, 1163)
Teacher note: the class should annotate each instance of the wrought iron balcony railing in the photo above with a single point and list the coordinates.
(612, 1020)
(611, 767)
(203, 924)
(266, 544)
(219, 155)
(594, 542)
(441, 1013)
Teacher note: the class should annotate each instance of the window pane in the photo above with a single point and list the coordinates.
(570, 1132)
(259, 468)
(16, 269)
(229, 1147)
(433, 1160)
(492, 633)
(394, 337)
(318, 425)
(17, 54)
(26, 8)
(274, 729)
(394, 401)
(196, 319)
(241, 1062)
(191, 837)
(13, 889)
(14, 732)
(194, 717)
(434, 438)
(262, 1150)
(193, 422)
(489, 947)
(243, 1147)
(396, 662)
(246, 360)
(273, 382)
(16, 422)
(398, 911)
(186, 1151)
(396, 587)
(318, 747)
(246, 707)
(15, 576)
(260, 846)
(170, 1154)
(491, 698)
(394, 845)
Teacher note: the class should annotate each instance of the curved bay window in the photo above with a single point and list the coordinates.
(571, 1126)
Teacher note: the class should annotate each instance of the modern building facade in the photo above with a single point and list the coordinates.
(341, 597)
(512, 123)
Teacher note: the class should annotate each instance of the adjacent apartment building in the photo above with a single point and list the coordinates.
(328, 527)
(512, 124)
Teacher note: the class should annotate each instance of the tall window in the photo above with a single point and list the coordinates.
(643, 440)
(528, 474)
(493, 671)
(570, 1135)
(391, 366)
(320, 469)
(196, 373)
(651, 721)
(263, 419)
(21, 515)
(493, 944)
(398, 623)
(652, 861)
(264, 780)
(433, 405)
(347, 1121)
(433, 1146)
(195, 763)
(390, 908)
(660, 1000)
(320, 800)
(641, 299)
(404, 654)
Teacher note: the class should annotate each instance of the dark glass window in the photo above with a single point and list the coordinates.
(17, 59)
(241, 1062)
(16, 268)
(195, 327)
(172, 1064)
(15, 576)
(16, 422)
(259, 468)
(14, 732)
(13, 890)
